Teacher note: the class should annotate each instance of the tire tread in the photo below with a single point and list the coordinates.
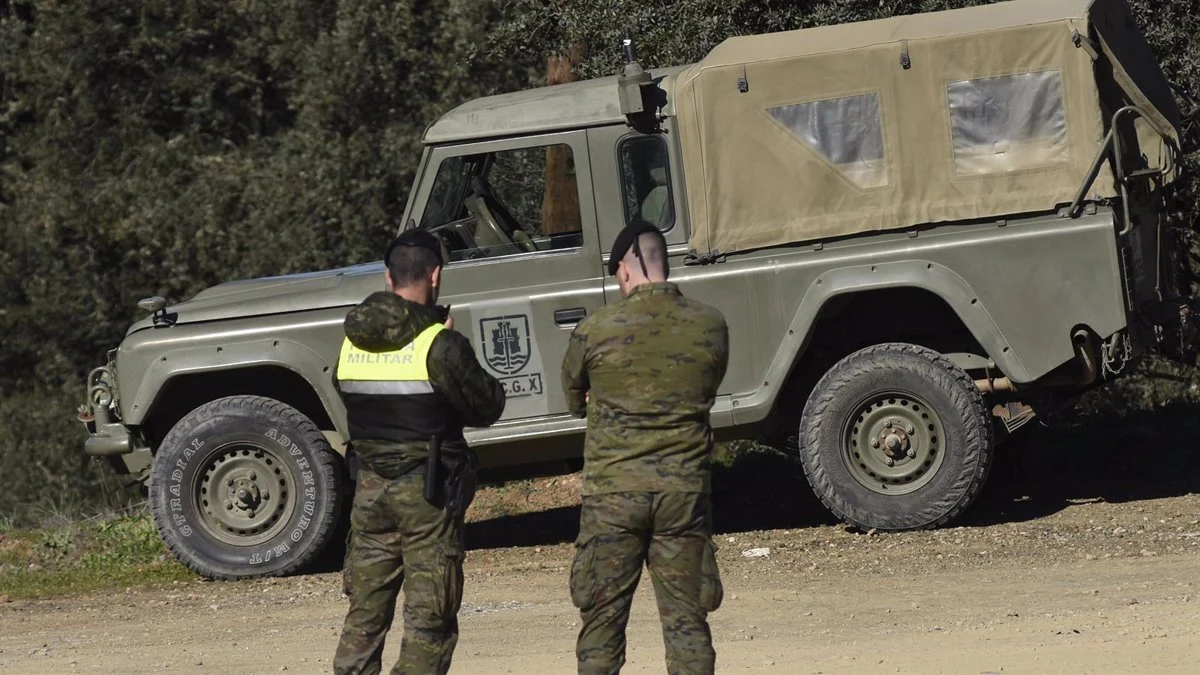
(311, 435)
(969, 405)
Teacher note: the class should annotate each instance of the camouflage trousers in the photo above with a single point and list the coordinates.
(397, 538)
(671, 534)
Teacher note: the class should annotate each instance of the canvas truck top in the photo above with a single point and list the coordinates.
(946, 116)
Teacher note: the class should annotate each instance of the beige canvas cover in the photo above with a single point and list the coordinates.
(824, 132)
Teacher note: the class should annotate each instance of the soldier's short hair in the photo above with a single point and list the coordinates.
(412, 256)
(643, 241)
(652, 247)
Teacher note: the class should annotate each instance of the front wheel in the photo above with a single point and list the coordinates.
(896, 437)
(246, 486)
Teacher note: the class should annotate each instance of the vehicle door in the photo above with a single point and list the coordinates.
(518, 226)
(639, 176)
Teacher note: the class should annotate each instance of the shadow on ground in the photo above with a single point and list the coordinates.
(1143, 455)
(754, 489)
(537, 528)
(1140, 456)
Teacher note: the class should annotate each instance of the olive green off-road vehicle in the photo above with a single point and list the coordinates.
(922, 232)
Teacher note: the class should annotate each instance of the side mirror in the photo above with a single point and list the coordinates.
(153, 304)
(157, 306)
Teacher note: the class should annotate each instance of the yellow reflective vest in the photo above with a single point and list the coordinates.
(389, 396)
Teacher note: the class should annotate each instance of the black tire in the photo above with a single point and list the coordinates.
(246, 486)
(943, 424)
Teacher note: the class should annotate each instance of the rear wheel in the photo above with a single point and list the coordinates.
(246, 486)
(896, 437)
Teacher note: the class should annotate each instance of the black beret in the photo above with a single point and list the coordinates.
(418, 238)
(625, 239)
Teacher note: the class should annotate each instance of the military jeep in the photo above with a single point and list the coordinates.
(923, 231)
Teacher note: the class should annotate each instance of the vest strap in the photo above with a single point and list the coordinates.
(400, 388)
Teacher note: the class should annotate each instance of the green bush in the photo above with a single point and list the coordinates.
(47, 478)
(157, 148)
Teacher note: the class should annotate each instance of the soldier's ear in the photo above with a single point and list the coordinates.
(436, 278)
(387, 279)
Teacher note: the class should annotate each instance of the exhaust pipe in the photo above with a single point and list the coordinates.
(1086, 351)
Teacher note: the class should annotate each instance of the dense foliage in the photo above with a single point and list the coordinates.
(160, 146)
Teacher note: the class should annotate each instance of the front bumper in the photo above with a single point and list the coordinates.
(107, 435)
(101, 415)
(109, 440)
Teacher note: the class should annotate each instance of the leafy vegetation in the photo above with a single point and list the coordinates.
(158, 147)
(91, 555)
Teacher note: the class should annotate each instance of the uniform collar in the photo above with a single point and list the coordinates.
(655, 288)
(423, 316)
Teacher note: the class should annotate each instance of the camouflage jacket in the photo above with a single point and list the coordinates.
(645, 372)
(386, 322)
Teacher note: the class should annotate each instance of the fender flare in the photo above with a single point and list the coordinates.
(286, 354)
(921, 274)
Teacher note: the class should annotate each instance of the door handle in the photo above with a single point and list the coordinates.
(569, 317)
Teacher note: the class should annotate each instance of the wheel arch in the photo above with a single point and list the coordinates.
(937, 290)
(185, 391)
(926, 283)
(162, 380)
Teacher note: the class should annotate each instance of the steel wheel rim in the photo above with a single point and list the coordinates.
(893, 443)
(244, 495)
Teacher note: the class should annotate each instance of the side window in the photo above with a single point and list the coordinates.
(505, 203)
(445, 198)
(646, 181)
(848, 132)
(1009, 123)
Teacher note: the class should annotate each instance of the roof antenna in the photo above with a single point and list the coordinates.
(632, 80)
(630, 52)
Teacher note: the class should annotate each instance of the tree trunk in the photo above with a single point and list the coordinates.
(560, 203)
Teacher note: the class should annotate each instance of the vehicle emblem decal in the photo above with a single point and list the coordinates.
(506, 343)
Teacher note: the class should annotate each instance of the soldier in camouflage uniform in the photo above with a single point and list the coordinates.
(645, 372)
(410, 384)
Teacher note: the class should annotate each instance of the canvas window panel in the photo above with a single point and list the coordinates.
(847, 131)
(1009, 123)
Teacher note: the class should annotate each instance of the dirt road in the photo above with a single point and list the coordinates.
(1091, 587)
